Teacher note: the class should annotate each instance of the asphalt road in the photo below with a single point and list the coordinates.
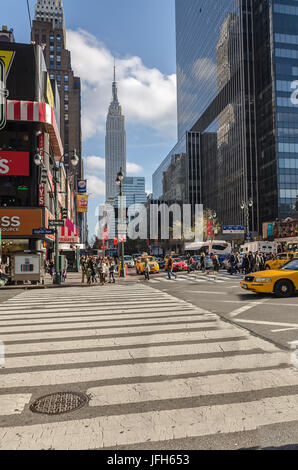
(264, 315)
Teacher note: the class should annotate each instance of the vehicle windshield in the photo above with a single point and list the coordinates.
(292, 266)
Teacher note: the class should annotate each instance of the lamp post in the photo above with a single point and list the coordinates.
(118, 181)
(38, 160)
(246, 206)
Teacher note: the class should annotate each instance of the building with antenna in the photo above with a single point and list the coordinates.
(115, 155)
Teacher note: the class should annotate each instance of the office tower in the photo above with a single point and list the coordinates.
(236, 68)
(48, 30)
(115, 157)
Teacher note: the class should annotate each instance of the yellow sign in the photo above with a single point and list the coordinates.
(50, 96)
(7, 57)
(82, 203)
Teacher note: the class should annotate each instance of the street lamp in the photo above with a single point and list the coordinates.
(38, 160)
(246, 206)
(118, 181)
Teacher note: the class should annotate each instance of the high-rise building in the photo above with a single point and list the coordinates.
(48, 30)
(237, 114)
(115, 157)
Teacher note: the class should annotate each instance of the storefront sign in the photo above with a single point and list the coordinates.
(41, 195)
(20, 221)
(82, 203)
(14, 163)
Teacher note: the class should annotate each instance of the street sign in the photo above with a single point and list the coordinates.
(233, 229)
(43, 231)
(56, 223)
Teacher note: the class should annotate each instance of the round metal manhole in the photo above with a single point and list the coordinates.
(59, 403)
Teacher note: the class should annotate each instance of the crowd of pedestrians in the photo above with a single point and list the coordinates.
(249, 263)
(96, 270)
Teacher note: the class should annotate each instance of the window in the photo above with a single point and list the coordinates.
(66, 107)
(66, 117)
(58, 78)
(58, 49)
(66, 97)
(58, 58)
(65, 87)
(66, 78)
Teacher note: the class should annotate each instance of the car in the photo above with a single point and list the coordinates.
(282, 282)
(178, 265)
(280, 259)
(161, 263)
(140, 265)
(129, 261)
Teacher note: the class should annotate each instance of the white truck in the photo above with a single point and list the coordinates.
(260, 247)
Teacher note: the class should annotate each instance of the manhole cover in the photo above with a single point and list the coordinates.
(59, 403)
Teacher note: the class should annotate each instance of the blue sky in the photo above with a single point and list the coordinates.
(141, 35)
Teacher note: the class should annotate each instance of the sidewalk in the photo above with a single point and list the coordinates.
(73, 280)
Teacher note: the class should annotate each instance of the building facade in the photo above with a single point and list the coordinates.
(115, 153)
(27, 203)
(48, 30)
(236, 68)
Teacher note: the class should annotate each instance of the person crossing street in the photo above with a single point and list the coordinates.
(170, 269)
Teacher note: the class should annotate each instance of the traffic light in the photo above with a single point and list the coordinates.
(64, 213)
(44, 176)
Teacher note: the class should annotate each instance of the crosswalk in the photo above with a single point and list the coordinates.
(156, 368)
(202, 278)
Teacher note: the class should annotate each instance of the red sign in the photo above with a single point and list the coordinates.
(14, 163)
(209, 229)
(41, 195)
(115, 241)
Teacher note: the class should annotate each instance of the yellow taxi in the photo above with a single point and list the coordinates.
(280, 259)
(282, 282)
(140, 264)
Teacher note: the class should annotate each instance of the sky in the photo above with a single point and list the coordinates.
(140, 34)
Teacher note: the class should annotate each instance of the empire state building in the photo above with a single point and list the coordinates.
(115, 157)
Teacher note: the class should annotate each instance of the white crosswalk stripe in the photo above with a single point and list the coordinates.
(200, 278)
(156, 369)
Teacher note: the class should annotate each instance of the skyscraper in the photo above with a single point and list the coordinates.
(236, 72)
(115, 157)
(48, 29)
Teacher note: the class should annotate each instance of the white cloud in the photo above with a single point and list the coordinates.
(96, 186)
(133, 169)
(147, 96)
(94, 163)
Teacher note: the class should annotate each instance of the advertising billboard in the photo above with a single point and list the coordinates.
(14, 163)
(82, 203)
(15, 222)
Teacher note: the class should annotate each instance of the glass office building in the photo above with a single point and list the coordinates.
(236, 64)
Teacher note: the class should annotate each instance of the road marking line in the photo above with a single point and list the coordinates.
(251, 305)
(13, 404)
(164, 425)
(259, 322)
(284, 329)
(191, 387)
(143, 369)
(166, 351)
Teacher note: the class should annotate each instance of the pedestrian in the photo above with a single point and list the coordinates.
(147, 270)
(112, 271)
(245, 264)
(216, 263)
(88, 275)
(170, 268)
(83, 268)
(202, 262)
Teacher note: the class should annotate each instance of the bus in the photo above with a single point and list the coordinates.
(220, 248)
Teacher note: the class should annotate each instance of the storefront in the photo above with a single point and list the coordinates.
(17, 227)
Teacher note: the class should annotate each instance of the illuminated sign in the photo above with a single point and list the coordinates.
(14, 163)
